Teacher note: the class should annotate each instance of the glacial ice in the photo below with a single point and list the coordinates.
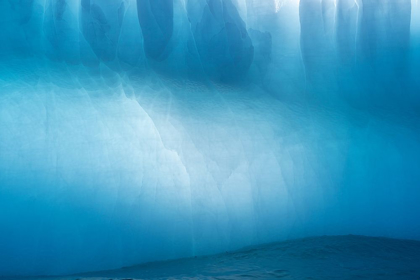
(134, 131)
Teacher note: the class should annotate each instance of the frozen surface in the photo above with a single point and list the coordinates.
(136, 131)
(336, 257)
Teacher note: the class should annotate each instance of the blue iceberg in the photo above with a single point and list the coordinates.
(134, 131)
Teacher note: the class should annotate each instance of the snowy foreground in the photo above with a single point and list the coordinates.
(338, 257)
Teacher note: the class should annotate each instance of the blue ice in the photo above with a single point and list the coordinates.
(134, 131)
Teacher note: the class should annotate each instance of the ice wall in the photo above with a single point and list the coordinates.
(133, 131)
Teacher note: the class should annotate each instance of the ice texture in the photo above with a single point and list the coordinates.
(134, 131)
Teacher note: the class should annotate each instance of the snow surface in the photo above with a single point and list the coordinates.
(332, 257)
(136, 131)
